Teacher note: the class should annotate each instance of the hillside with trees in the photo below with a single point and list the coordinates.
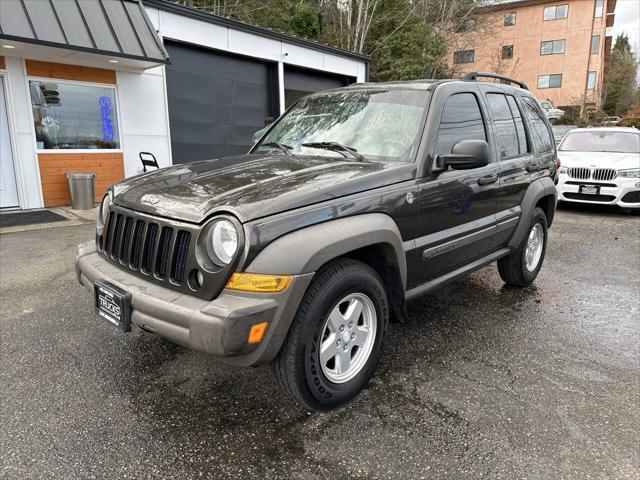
(405, 39)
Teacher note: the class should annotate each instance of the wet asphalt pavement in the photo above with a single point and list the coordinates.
(482, 380)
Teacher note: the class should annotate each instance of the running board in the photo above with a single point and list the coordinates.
(454, 275)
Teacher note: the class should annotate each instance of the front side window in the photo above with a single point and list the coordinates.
(601, 141)
(509, 19)
(380, 124)
(463, 56)
(508, 126)
(461, 120)
(591, 81)
(74, 116)
(595, 44)
(556, 12)
(507, 51)
(542, 136)
(550, 81)
(599, 8)
(552, 47)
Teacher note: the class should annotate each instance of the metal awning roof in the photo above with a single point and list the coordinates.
(117, 28)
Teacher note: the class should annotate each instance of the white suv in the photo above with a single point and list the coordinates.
(600, 165)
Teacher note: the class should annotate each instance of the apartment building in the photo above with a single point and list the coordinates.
(558, 48)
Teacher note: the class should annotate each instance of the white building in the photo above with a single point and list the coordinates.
(87, 86)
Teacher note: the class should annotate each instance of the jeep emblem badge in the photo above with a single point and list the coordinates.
(411, 198)
(149, 199)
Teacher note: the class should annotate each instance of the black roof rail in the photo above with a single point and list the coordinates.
(498, 76)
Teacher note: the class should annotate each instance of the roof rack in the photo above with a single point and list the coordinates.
(498, 76)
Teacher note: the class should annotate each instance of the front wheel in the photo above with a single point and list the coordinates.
(335, 342)
(521, 267)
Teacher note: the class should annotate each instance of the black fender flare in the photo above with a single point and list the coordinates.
(540, 188)
(306, 250)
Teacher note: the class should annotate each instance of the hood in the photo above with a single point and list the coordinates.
(252, 185)
(618, 161)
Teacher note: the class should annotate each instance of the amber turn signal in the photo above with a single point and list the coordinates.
(258, 282)
(257, 332)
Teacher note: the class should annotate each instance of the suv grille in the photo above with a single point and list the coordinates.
(580, 173)
(600, 174)
(604, 174)
(147, 247)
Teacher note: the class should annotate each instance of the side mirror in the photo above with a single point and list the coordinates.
(465, 155)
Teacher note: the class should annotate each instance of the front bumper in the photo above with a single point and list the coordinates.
(219, 327)
(620, 191)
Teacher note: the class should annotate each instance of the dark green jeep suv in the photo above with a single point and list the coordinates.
(356, 201)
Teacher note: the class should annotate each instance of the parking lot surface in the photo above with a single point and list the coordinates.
(482, 380)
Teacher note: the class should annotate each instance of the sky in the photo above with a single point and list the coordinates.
(627, 20)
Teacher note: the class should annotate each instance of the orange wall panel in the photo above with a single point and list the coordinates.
(108, 167)
(70, 72)
(2, 62)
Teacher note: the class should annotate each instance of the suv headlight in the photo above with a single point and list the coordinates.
(222, 242)
(633, 173)
(107, 200)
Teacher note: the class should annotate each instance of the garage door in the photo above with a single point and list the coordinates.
(299, 82)
(216, 101)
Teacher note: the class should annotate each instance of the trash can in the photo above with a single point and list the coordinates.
(81, 187)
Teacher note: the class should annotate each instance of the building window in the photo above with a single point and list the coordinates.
(509, 19)
(591, 81)
(463, 56)
(599, 8)
(595, 44)
(552, 47)
(556, 12)
(507, 51)
(73, 115)
(550, 81)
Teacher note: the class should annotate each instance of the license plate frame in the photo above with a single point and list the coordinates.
(113, 304)
(590, 189)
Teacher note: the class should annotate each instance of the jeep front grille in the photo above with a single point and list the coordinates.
(147, 247)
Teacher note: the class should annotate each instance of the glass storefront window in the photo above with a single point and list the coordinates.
(74, 116)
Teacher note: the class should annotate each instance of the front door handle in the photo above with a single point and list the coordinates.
(487, 180)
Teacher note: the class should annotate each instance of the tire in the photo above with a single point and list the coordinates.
(299, 368)
(513, 268)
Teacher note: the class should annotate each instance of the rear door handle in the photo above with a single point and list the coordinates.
(487, 180)
(535, 168)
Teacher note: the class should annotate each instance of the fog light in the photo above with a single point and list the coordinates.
(257, 282)
(637, 185)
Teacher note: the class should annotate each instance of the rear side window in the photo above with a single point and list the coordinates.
(461, 120)
(541, 135)
(523, 145)
(510, 136)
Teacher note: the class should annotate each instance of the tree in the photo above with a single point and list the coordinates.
(620, 78)
(413, 50)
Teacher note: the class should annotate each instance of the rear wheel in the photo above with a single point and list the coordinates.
(335, 342)
(522, 266)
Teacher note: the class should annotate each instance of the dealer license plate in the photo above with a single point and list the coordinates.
(113, 304)
(590, 189)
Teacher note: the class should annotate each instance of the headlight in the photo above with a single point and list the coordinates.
(104, 209)
(222, 242)
(633, 173)
(563, 169)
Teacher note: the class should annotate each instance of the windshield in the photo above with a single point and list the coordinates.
(546, 105)
(601, 141)
(379, 124)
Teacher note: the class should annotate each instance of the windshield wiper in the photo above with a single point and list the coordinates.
(280, 146)
(336, 147)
